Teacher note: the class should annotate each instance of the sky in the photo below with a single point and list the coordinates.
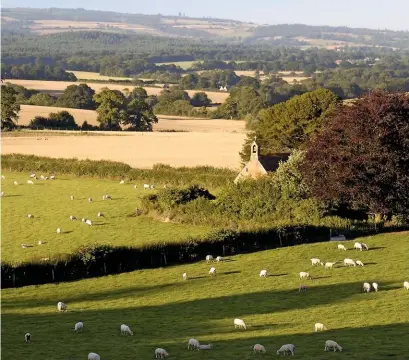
(374, 14)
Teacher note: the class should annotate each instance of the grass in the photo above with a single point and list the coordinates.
(49, 202)
(164, 311)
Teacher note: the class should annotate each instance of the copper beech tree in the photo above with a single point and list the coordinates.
(362, 156)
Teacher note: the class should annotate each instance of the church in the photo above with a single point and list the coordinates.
(259, 165)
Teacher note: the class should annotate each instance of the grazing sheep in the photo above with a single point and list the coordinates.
(329, 265)
(40, 242)
(286, 348)
(303, 288)
(45, 259)
(316, 261)
(72, 197)
(135, 186)
(349, 262)
(375, 286)
(406, 285)
(358, 246)
(42, 177)
(88, 222)
(24, 246)
(212, 271)
(3, 177)
(27, 338)
(152, 187)
(52, 177)
(79, 327)
(61, 307)
(46, 178)
(330, 344)
(184, 276)
(29, 182)
(160, 353)
(59, 231)
(106, 197)
(90, 199)
(72, 218)
(359, 263)
(83, 220)
(364, 246)
(342, 247)
(146, 186)
(125, 330)
(209, 258)
(100, 214)
(366, 287)
(33, 175)
(319, 326)
(122, 182)
(259, 348)
(193, 344)
(93, 356)
(219, 258)
(30, 216)
(205, 347)
(15, 183)
(3, 194)
(239, 323)
(263, 273)
(305, 275)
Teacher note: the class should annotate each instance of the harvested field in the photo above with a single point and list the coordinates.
(88, 75)
(183, 64)
(57, 87)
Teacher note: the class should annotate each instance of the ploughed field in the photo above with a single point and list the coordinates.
(164, 311)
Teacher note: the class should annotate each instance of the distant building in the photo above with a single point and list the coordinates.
(258, 165)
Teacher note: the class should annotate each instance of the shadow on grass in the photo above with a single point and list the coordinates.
(376, 248)
(274, 275)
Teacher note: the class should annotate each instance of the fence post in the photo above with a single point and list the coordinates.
(105, 267)
(13, 279)
(52, 273)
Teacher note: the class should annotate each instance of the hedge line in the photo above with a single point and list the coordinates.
(164, 174)
(102, 260)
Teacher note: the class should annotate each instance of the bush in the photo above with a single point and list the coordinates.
(61, 120)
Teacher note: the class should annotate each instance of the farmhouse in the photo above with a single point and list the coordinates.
(259, 165)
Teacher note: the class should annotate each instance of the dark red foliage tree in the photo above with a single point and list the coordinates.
(362, 156)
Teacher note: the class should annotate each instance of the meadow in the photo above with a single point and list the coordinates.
(165, 311)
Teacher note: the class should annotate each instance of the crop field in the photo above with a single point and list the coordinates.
(183, 64)
(88, 75)
(50, 204)
(165, 311)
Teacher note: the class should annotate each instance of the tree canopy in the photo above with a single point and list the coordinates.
(77, 96)
(9, 107)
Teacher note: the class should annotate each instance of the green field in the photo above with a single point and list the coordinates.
(165, 311)
(49, 202)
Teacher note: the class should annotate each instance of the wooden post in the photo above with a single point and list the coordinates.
(13, 279)
(105, 267)
(52, 273)
(164, 258)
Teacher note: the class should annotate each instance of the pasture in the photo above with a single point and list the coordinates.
(50, 204)
(165, 311)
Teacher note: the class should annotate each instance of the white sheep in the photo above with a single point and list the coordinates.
(358, 246)
(331, 344)
(90, 199)
(329, 265)
(219, 258)
(263, 273)
(46, 178)
(72, 197)
(15, 183)
(3, 194)
(3, 177)
(122, 182)
(100, 214)
(184, 276)
(359, 263)
(316, 261)
(52, 177)
(239, 323)
(106, 197)
(29, 182)
(366, 287)
(83, 220)
(406, 285)
(205, 347)
(135, 186)
(88, 222)
(27, 338)
(161, 353)
(193, 344)
(342, 247)
(375, 286)
(209, 258)
(305, 275)
(364, 246)
(30, 216)
(24, 246)
(319, 326)
(303, 288)
(79, 327)
(146, 186)
(72, 218)
(212, 271)
(259, 348)
(125, 330)
(59, 231)
(152, 187)
(40, 242)
(286, 348)
(32, 175)
(93, 356)
(61, 307)
(349, 262)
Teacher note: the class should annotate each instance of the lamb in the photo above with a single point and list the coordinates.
(193, 344)
(263, 273)
(375, 286)
(46, 178)
(3, 177)
(79, 327)
(364, 246)
(366, 287)
(90, 199)
(303, 288)
(72, 197)
(122, 182)
(24, 246)
(406, 285)
(209, 258)
(106, 197)
(259, 348)
(305, 275)
(316, 261)
(184, 276)
(330, 344)
(59, 231)
(83, 220)
(29, 182)
(359, 263)
(42, 177)
(135, 186)
(3, 194)
(205, 347)
(358, 246)
(349, 262)
(27, 338)
(52, 177)
(33, 175)
(286, 348)
(160, 353)
(342, 247)
(152, 187)
(61, 307)
(239, 323)
(219, 258)
(146, 186)
(72, 218)
(15, 183)
(30, 216)
(212, 271)
(319, 326)
(40, 242)
(125, 329)
(88, 222)
(93, 356)
(100, 214)
(329, 265)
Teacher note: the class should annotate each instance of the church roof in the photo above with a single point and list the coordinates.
(271, 162)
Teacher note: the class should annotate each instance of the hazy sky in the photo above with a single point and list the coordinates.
(391, 14)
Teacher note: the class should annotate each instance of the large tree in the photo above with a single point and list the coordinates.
(112, 110)
(362, 156)
(9, 107)
(78, 97)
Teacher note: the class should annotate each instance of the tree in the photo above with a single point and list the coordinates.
(9, 108)
(111, 108)
(77, 97)
(362, 156)
(41, 99)
(60, 120)
(140, 115)
(200, 99)
(189, 81)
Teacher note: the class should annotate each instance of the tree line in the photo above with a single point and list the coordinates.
(36, 72)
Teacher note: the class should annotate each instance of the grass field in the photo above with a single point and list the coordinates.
(164, 311)
(49, 202)
(183, 64)
(87, 75)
